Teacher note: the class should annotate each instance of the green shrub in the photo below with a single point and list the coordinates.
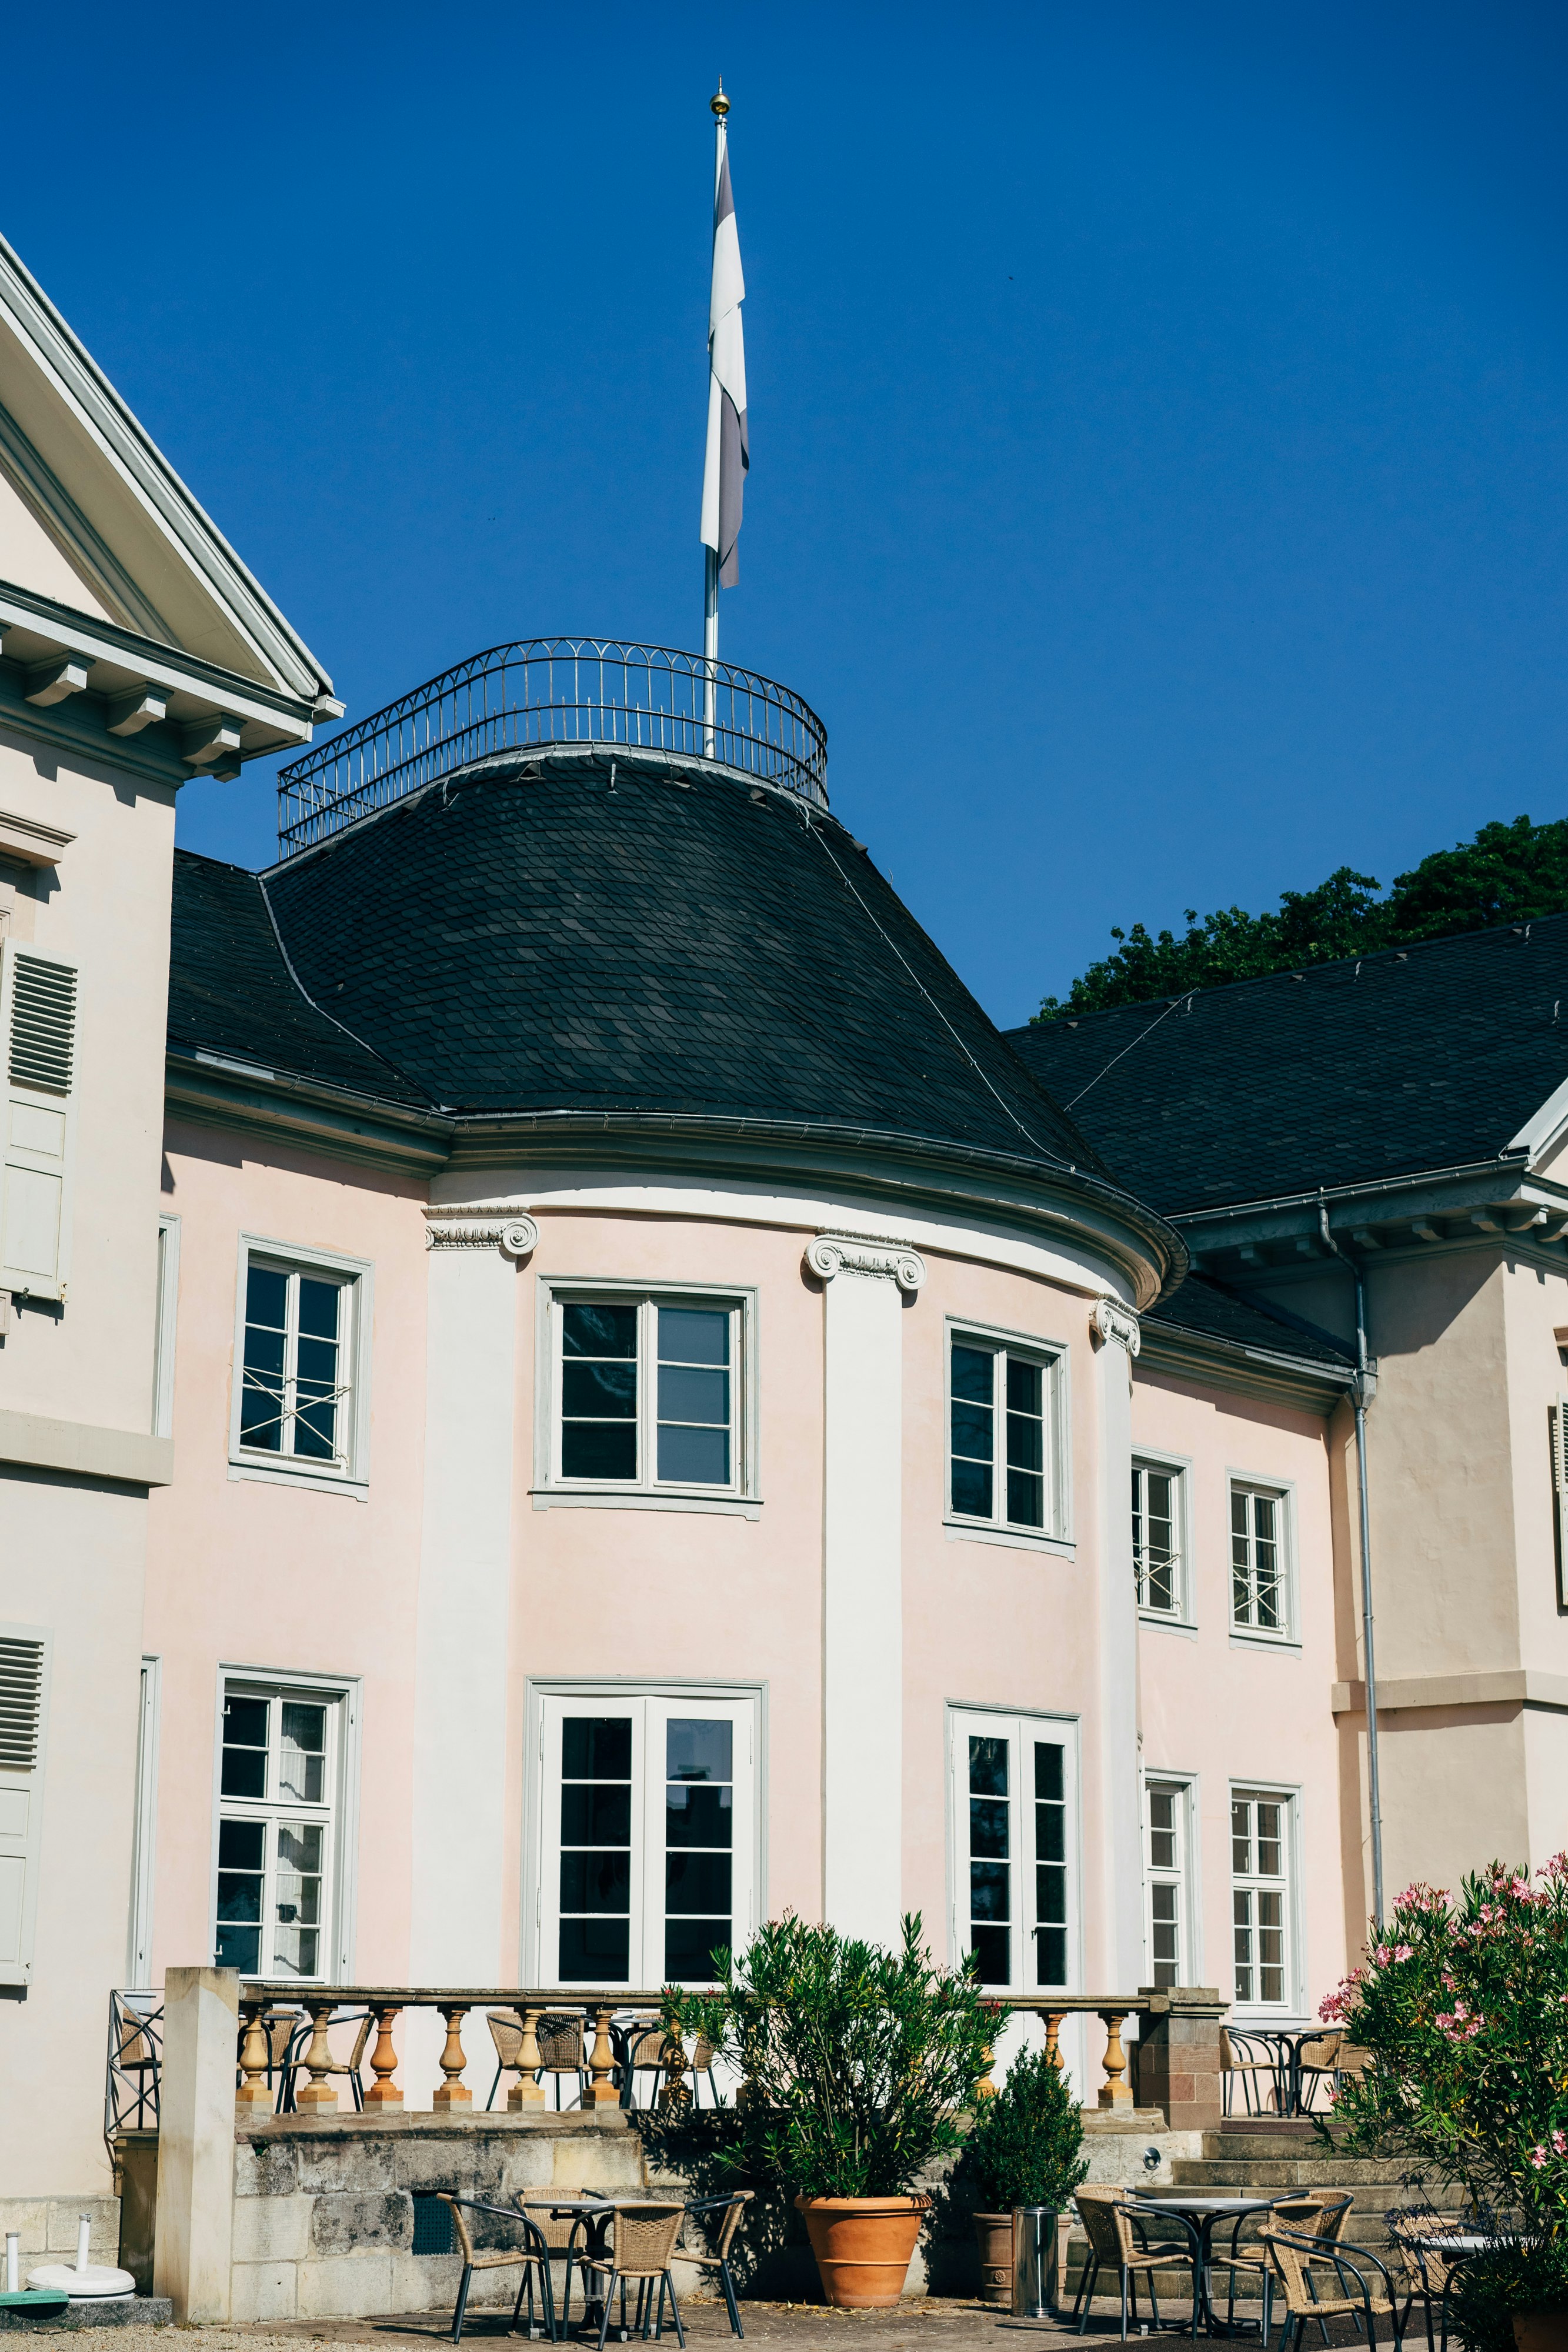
(858, 2061)
(1026, 2146)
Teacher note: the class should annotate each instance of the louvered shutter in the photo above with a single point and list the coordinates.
(1560, 1449)
(24, 1675)
(38, 1031)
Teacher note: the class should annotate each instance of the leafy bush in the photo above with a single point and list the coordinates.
(1508, 2277)
(1463, 2004)
(857, 2062)
(1025, 2146)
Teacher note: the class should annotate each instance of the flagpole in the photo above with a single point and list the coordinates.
(719, 106)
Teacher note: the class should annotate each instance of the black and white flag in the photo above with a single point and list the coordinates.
(724, 474)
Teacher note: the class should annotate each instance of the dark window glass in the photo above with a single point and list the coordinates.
(1025, 1500)
(595, 1881)
(1049, 1779)
(1050, 1864)
(594, 1951)
(971, 1489)
(693, 1457)
(1051, 1895)
(693, 1335)
(316, 1370)
(244, 1771)
(973, 1376)
(988, 1891)
(593, 1815)
(694, 1396)
(598, 1449)
(237, 1947)
(698, 1816)
(597, 1748)
(596, 1847)
(599, 1393)
(697, 1883)
(689, 1948)
(696, 1749)
(1026, 1445)
(265, 1296)
(1052, 1944)
(987, 1827)
(241, 1846)
(599, 1331)
(971, 1433)
(993, 1949)
(987, 1767)
(699, 1827)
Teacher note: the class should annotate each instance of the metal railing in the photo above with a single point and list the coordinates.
(134, 2063)
(554, 690)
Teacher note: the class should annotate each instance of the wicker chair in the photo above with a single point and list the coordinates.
(640, 2049)
(1252, 2065)
(1429, 2274)
(1301, 2263)
(1317, 2061)
(506, 2032)
(532, 2256)
(722, 2237)
(561, 2051)
(560, 2233)
(643, 2247)
(292, 2064)
(1310, 2212)
(1118, 2240)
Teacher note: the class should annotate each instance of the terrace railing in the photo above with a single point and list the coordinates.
(548, 691)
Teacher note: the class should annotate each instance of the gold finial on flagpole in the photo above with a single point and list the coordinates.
(719, 102)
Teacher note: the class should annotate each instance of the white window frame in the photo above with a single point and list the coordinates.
(1178, 1467)
(1282, 1493)
(1188, 1874)
(1019, 1728)
(24, 1157)
(165, 1325)
(747, 1704)
(343, 1804)
(1053, 1358)
(357, 1275)
(28, 1840)
(144, 1841)
(741, 1498)
(1290, 1797)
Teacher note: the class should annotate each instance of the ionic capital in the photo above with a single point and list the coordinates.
(485, 1225)
(1119, 1323)
(832, 1254)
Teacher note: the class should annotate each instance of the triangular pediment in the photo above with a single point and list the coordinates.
(99, 520)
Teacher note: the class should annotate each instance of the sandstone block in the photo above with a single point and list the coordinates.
(263, 2291)
(349, 2286)
(272, 2229)
(350, 2224)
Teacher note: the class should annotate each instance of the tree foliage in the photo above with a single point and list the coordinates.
(858, 2061)
(1463, 2004)
(1508, 874)
(1027, 2144)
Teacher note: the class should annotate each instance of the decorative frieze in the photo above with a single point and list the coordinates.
(1119, 1323)
(486, 1225)
(869, 1254)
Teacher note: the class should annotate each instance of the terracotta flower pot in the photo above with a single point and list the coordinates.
(994, 2236)
(1540, 2331)
(863, 2246)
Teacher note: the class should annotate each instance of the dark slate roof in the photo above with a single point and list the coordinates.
(1391, 1065)
(508, 943)
(1215, 1311)
(230, 992)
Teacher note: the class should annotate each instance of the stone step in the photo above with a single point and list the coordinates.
(1355, 2174)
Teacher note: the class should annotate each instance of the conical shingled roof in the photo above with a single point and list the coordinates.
(526, 938)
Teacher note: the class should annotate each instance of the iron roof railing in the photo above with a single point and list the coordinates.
(548, 690)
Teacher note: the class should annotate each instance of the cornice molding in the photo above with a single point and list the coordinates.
(1239, 1371)
(483, 1225)
(873, 1255)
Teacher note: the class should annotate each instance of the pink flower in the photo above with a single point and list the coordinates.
(1404, 1952)
(1538, 2158)
(1520, 1886)
(1560, 2142)
(1383, 1955)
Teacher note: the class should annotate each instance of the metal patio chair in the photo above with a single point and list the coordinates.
(533, 2256)
(1252, 2062)
(1301, 2263)
(1317, 2061)
(291, 2063)
(643, 2247)
(561, 2052)
(726, 2212)
(1310, 2212)
(506, 2032)
(1119, 2240)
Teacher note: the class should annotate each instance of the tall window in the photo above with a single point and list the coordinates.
(1258, 1578)
(1165, 1876)
(1261, 1899)
(1013, 1861)
(647, 1841)
(1157, 1538)
(647, 1392)
(304, 1323)
(1001, 1411)
(277, 1802)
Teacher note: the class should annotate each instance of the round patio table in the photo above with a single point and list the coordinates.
(1205, 2213)
(595, 2213)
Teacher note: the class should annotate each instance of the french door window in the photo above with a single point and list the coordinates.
(1165, 1877)
(1002, 1467)
(648, 1838)
(1157, 1538)
(1015, 1871)
(647, 1392)
(1259, 1590)
(294, 1392)
(1261, 1899)
(278, 1789)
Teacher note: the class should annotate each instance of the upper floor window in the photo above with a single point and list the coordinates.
(1157, 1560)
(1259, 1562)
(279, 1801)
(1002, 1450)
(647, 1392)
(297, 1401)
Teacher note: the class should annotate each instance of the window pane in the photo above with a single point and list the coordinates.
(1025, 1500)
(599, 1392)
(971, 1432)
(993, 1949)
(698, 1816)
(237, 1947)
(595, 1881)
(694, 1457)
(599, 1331)
(319, 1304)
(1049, 1775)
(1025, 1387)
(697, 1749)
(597, 1748)
(598, 1449)
(1025, 1442)
(987, 1767)
(594, 1951)
(690, 1946)
(244, 1770)
(973, 1376)
(988, 1827)
(240, 1846)
(1241, 1839)
(296, 1938)
(972, 1489)
(989, 1897)
(266, 1296)
(1052, 1967)
(302, 1763)
(691, 1335)
(1051, 1895)
(688, 1395)
(596, 1814)
(697, 1883)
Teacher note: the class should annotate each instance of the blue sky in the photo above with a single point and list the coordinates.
(1159, 478)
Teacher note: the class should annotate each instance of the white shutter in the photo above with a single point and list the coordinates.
(1560, 1448)
(39, 1035)
(24, 1682)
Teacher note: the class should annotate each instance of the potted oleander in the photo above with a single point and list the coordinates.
(856, 2065)
(1026, 2149)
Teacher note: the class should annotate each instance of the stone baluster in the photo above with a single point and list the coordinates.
(254, 2095)
(383, 2091)
(986, 2088)
(676, 2095)
(1115, 2090)
(527, 2091)
(452, 2091)
(1053, 2037)
(602, 2062)
(318, 2097)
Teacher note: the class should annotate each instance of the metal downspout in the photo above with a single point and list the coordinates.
(1363, 1389)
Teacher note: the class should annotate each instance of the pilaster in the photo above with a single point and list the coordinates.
(1117, 1340)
